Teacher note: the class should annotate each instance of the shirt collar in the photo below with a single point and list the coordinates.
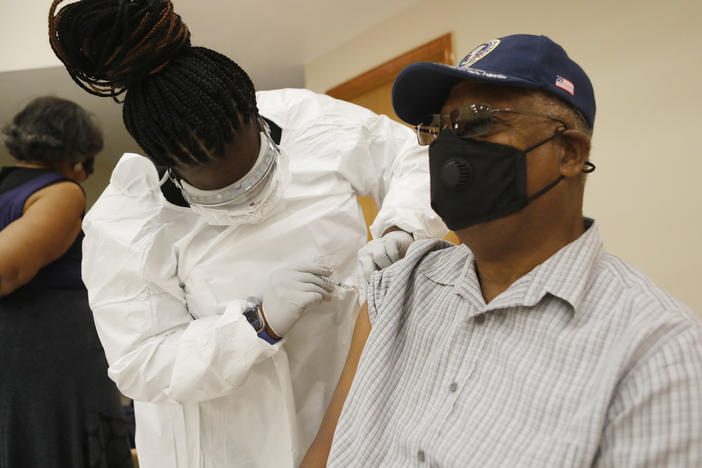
(565, 275)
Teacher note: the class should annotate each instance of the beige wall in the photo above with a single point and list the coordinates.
(23, 35)
(645, 61)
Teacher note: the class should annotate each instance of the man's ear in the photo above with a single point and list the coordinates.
(576, 146)
(77, 167)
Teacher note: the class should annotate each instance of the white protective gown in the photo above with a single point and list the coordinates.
(168, 290)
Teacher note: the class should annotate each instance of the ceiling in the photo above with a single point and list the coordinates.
(271, 39)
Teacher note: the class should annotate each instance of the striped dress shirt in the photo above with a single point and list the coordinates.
(581, 362)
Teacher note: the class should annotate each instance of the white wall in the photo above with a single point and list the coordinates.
(24, 35)
(645, 61)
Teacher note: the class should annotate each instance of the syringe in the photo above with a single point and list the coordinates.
(336, 283)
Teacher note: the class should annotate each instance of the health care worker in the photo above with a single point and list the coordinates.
(218, 268)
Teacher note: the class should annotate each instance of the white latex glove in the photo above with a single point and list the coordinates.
(290, 291)
(383, 252)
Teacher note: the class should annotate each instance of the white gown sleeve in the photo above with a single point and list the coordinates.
(155, 349)
(378, 156)
(398, 178)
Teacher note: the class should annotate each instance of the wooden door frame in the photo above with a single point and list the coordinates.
(387, 71)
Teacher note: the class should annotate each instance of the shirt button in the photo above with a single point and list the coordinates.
(453, 387)
(480, 319)
(421, 457)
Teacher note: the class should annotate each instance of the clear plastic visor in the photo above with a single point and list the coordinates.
(244, 190)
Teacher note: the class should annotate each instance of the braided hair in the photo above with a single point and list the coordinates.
(182, 104)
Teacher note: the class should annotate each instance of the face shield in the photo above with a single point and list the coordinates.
(248, 199)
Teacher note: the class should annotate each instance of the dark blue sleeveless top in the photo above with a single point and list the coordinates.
(16, 185)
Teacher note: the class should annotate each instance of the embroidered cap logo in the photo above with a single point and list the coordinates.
(479, 52)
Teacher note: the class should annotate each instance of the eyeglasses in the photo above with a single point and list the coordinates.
(468, 122)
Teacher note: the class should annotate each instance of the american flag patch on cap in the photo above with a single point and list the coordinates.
(565, 84)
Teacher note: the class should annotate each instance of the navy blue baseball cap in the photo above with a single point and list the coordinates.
(520, 60)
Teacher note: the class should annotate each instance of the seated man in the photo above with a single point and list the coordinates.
(530, 345)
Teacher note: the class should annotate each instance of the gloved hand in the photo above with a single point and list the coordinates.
(290, 291)
(383, 252)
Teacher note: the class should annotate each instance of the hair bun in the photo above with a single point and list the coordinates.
(106, 45)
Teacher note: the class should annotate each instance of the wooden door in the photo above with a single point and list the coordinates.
(372, 90)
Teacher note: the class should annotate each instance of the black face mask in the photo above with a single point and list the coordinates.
(89, 165)
(476, 181)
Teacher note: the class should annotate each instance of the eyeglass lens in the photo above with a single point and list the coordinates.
(470, 121)
(465, 122)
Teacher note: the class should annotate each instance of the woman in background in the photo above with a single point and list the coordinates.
(57, 406)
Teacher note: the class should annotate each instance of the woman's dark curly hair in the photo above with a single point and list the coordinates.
(182, 104)
(51, 129)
